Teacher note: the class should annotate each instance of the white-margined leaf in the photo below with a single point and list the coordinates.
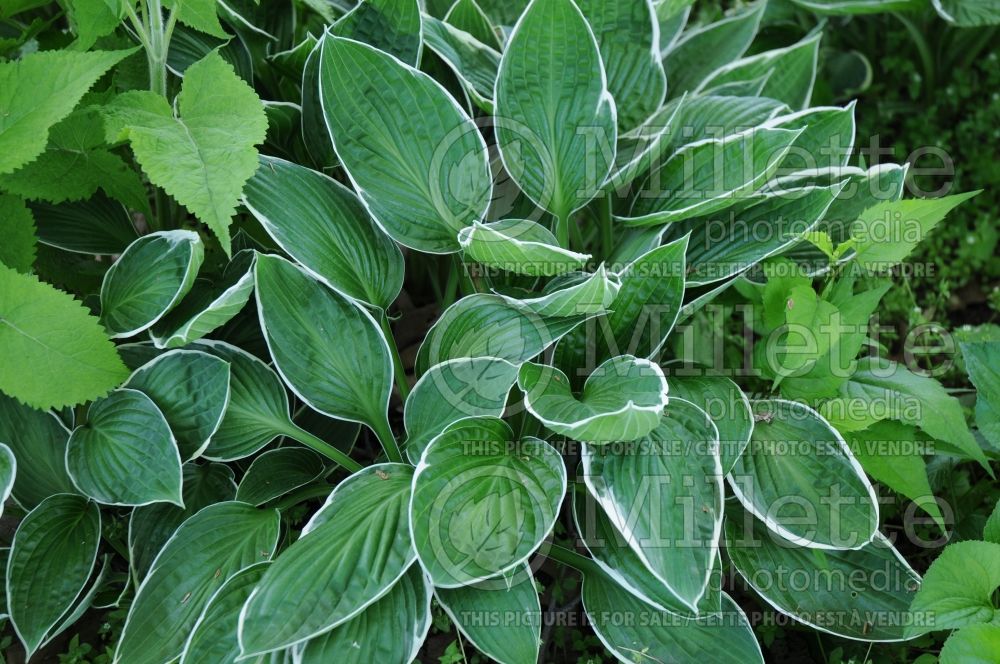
(392, 26)
(468, 16)
(474, 63)
(828, 139)
(277, 472)
(968, 13)
(8, 474)
(572, 295)
(38, 440)
(520, 246)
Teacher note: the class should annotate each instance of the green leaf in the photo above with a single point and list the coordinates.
(991, 531)
(520, 246)
(958, 588)
(39, 90)
(392, 26)
(574, 294)
(554, 113)
(862, 594)
(692, 183)
(452, 390)
(969, 13)
(328, 576)
(202, 555)
(328, 349)
(891, 453)
(886, 233)
(317, 140)
(799, 477)
(475, 64)
(791, 72)
(202, 15)
(55, 353)
(982, 361)
(468, 16)
(625, 33)
(91, 20)
(483, 325)
(640, 489)
(653, 634)
(95, 226)
(826, 142)
(392, 629)
(125, 430)
(704, 49)
(207, 308)
(324, 226)
(714, 116)
(38, 440)
(213, 638)
(203, 154)
(622, 400)
(191, 389)
(277, 472)
(971, 645)
(415, 157)
(482, 501)
(17, 227)
(8, 474)
(848, 7)
(51, 558)
(501, 617)
(148, 280)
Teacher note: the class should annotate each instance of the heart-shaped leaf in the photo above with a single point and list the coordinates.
(125, 430)
(520, 246)
(328, 576)
(148, 280)
(622, 400)
(482, 501)
(38, 440)
(276, 472)
(958, 588)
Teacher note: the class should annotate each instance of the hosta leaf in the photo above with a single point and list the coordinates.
(392, 26)
(641, 490)
(148, 280)
(391, 630)
(641, 316)
(276, 472)
(17, 226)
(982, 361)
(328, 576)
(468, 16)
(452, 390)
(207, 308)
(700, 51)
(38, 440)
(622, 400)
(474, 63)
(553, 108)
(213, 638)
(125, 453)
(969, 13)
(51, 558)
(8, 473)
(39, 90)
(971, 645)
(827, 141)
(501, 617)
(625, 35)
(55, 353)
(205, 552)
(868, 599)
(572, 295)
(95, 226)
(484, 325)
(326, 347)
(799, 477)
(203, 154)
(652, 633)
(791, 72)
(958, 588)
(314, 132)
(417, 160)
(690, 183)
(520, 246)
(324, 226)
(191, 389)
(726, 404)
(643, 148)
(717, 116)
(482, 501)
(848, 7)
(726, 243)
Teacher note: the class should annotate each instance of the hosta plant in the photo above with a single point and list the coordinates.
(390, 310)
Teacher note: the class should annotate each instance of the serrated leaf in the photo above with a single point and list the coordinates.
(203, 154)
(971, 645)
(55, 353)
(417, 160)
(17, 227)
(520, 246)
(191, 389)
(148, 280)
(39, 90)
(38, 438)
(799, 477)
(553, 108)
(982, 361)
(205, 552)
(125, 430)
(873, 606)
(51, 558)
(677, 463)
(482, 501)
(327, 576)
(958, 587)
(622, 400)
(91, 20)
(202, 15)
(324, 226)
(392, 629)
(277, 472)
(392, 26)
